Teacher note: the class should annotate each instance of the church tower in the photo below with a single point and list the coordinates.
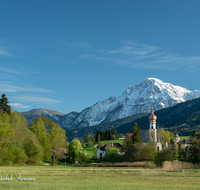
(152, 127)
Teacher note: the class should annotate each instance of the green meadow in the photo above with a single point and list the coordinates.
(68, 177)
(184, 137)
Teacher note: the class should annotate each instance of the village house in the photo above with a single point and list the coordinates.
(181, 143)
(101, 151)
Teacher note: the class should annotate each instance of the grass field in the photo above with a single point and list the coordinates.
(91, 150)
(68, 177)
(184, 137)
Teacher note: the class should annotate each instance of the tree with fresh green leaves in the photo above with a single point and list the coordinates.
(39, 129)
(111, 154)
(169, 154)
(87, 138)
(164, 137)
(34, 151)
(100, 143)
(127, 142)
(133, 152)
(75, 150)
(136, 137)
(5, 131)
(4, 104)
(5, 134)
(17, 143)
(148, 152)
(58, 141)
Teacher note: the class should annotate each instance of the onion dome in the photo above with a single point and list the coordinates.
(177, 136)
(152, 117)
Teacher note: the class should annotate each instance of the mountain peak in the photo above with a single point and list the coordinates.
(154, 79)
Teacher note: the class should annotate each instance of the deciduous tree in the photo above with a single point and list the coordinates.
(75, 150)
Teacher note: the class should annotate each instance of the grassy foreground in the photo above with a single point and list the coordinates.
(68, 177)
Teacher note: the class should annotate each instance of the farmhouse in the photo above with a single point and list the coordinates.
(101, 151)
(181, 143)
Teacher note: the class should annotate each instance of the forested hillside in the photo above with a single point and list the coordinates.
(84, 131)
(182, 118)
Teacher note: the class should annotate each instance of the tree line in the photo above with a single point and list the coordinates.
(106, 135)
(20, 143)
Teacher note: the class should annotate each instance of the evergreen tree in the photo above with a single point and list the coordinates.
(114, 132)
(109, 135)
(136, 138)
(106, 135)
(103, 135)
(96, 136)
(4, 104)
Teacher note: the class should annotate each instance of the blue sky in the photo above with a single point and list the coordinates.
(67, 55)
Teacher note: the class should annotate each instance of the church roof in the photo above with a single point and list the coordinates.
(110, 145)
(152, 117)
(177, 136)
(113, 145)
(103, 148)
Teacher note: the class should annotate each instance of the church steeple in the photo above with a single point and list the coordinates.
(152, 127)
(152, 120)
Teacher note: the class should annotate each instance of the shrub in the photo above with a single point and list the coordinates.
(172, 166)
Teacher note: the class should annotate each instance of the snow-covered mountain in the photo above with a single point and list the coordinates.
(135, 99)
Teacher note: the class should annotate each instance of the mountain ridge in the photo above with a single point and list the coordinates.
(135, 99)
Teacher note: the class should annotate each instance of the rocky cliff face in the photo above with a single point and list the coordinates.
(135, 99)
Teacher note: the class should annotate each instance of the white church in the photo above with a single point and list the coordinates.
(152, 135)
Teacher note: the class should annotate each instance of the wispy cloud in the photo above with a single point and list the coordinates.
(83, 45)
(3, 69)
(18, 105)
(93, 57)
(4, 51)
(73, 45)
(6, 86)
(134, 49)
(9, 47)
(144, 56)
(37, 99)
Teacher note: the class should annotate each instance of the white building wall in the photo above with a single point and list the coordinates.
(100, 152)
